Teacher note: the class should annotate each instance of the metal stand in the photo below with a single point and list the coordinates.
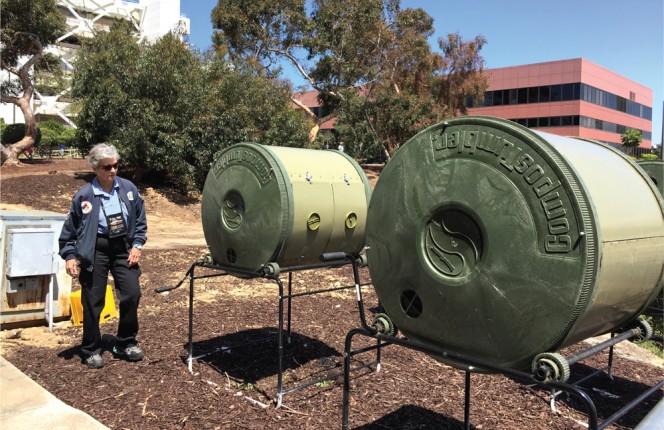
(540, 376)
(272, 272)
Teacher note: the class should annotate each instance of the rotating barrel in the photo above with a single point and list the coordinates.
(266, 204)
(499, 243)
(655, 171)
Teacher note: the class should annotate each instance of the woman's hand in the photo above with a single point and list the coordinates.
(134, 256)
(72, 267)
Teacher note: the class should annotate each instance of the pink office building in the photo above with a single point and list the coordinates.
(570, 98)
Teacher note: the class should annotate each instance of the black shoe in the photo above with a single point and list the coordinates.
(129, 352)
(94, 361)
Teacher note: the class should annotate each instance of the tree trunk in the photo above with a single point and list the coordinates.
(314, 132)
(9, 154)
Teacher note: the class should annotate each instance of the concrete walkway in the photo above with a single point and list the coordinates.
(25, 405)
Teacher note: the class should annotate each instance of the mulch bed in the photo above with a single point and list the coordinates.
(237, 388)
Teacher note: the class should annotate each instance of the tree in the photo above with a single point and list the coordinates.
(419, 88)
(631, 138)
(27, 27)
(169, 110)
(369, 49)
(461, 76)
(342, 38)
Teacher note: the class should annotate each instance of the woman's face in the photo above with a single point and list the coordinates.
(107, 170)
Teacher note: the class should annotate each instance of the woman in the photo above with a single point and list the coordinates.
(106, 230)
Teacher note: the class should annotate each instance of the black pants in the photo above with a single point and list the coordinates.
(110, 254)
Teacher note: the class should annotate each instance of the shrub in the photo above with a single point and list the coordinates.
(649, 157)
(52, 132)
(12, 133)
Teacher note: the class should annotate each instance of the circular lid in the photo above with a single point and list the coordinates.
(246, 207)
(480, 240)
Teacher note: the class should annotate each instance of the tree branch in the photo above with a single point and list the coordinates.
(304, 74)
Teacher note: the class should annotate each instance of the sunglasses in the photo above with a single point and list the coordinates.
(108, 167)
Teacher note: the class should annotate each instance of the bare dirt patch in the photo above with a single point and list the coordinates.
(49, 184)
(237, 389)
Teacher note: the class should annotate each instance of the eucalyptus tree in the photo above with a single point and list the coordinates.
(369, 60)
(337, 47)
(26, 29)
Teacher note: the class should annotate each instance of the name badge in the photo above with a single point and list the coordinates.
(116, 225)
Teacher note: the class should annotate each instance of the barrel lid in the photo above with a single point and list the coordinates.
(481, 239)
(246, 207)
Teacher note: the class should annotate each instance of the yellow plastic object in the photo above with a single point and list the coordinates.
(109, 312)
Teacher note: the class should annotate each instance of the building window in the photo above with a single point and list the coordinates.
(556, 93)
(576, 120)
(522, 96)
(533, 95)
(513, 97)
(567, 92)
(497, 98)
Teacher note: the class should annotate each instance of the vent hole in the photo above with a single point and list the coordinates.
(411, 303)
(231, 255)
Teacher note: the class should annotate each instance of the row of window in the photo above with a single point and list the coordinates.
(572, 120)
(565, 92)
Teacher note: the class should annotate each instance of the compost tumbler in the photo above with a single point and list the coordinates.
(655, 170)
(273, 205)
(500, 243)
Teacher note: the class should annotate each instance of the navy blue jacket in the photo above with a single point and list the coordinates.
(79, 232)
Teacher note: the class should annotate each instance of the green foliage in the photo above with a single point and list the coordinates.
(631, 138)
(12, 133)
(369, 49)
(22, 21)
(657, 323)
(55, 134)
(324, 384)
(325, 140)
(462, 78)
(371, 126)
(169, 110)
(646, 156)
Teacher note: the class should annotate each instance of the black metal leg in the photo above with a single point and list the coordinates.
(290, 292)
(191, 319)
(610, 365)
(466, 407)
(280, 385)
(281, 343)
(345, 401)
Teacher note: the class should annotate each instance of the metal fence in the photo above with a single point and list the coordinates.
(636, 152)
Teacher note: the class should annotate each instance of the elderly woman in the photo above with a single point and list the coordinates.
(105, 230)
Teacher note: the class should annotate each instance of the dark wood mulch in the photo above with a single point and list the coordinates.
(237, 389)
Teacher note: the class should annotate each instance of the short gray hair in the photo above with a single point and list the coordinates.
(101, 151)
